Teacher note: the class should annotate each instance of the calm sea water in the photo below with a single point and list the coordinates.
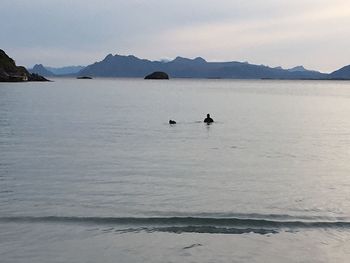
(91, 171)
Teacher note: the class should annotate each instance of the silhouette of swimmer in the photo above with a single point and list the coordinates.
(208, 120)
(172, 122)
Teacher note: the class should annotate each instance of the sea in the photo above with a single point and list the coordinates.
(92, 171)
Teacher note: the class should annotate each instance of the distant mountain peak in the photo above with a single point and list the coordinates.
(38, 66)
(41, 70)
(179, 59)
(109, 56)
(200, 59)
(297, 68)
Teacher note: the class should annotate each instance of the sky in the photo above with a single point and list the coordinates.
(312, 33)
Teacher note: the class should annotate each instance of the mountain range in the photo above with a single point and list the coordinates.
(65, 70)
(180, 67)
(52, 71)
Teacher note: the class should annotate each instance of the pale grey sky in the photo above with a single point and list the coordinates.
(313, 33)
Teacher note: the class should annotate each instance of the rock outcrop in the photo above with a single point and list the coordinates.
(9, 72)
(157, 75)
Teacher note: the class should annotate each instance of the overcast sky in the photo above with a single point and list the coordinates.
(313, 33)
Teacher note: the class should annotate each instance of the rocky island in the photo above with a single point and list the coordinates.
(9, 72)
(157, 75)
(84, 77)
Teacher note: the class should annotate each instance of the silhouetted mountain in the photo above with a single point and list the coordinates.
(69, 70)
(9, 72)
(343, 73)
(131, 66)
(41, 70)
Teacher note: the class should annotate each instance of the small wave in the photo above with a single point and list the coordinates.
(187, 224)
(196, 229)
(215, 230)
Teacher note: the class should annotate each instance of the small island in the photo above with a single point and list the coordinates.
(9, 72)
(84, 77)
(157, 75)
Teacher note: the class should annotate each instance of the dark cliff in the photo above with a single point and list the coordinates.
(9, 72)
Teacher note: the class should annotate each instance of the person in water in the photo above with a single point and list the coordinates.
(208, 120)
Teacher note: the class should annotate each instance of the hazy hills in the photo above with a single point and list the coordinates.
(180, 67)
(52, 71)
(131, 66)
(65, 70)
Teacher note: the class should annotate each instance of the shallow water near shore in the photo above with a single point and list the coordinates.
(91, 171)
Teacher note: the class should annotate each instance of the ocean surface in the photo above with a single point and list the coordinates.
(91, 171)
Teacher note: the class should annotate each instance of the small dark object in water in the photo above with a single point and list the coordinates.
(84, 77)
(208, 120)
(172, 122)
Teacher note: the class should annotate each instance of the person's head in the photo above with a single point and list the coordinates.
(208, 115)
